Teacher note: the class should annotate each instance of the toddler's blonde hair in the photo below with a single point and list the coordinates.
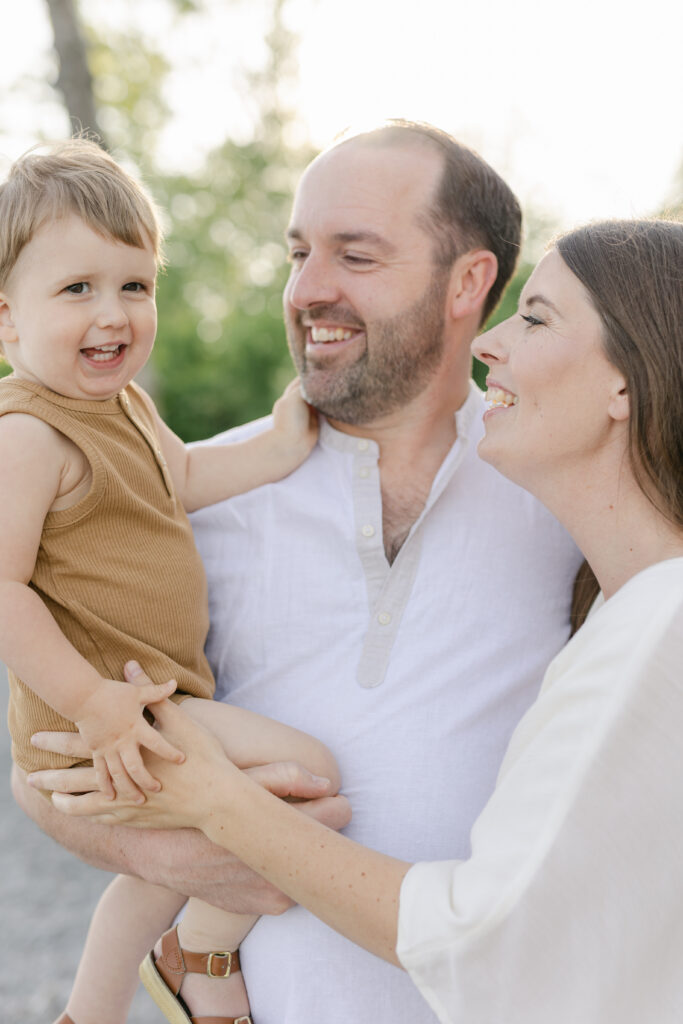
(74, 177)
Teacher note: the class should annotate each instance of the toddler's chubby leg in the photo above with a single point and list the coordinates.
(213, 987)
(127, 920)
(250, 739)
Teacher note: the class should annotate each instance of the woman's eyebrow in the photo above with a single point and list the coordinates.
(543, 301)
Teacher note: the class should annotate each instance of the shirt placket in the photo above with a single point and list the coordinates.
(389, 586)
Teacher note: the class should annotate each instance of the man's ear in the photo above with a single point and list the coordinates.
(473, 276)
(619, 406)
(8, 332)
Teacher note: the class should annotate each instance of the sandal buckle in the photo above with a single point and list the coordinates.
(209, 966)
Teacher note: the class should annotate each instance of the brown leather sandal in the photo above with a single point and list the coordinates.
(64, 1019)
(163, 977)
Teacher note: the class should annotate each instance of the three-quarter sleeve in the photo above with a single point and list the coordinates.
(570, 908)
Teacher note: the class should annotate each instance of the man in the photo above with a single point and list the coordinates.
(394, 596)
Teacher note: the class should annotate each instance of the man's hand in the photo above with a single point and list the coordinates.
(184, 860)
(112, 727)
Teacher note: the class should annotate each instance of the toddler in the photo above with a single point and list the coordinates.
(97, 560)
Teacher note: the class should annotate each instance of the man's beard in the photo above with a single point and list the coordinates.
(401, 355)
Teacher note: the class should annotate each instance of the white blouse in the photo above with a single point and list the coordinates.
(570, 908)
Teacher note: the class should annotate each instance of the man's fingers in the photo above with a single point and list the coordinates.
(289, 779)
(69, 743)
(333, 811)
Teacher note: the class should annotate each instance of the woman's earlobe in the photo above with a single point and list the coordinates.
(619, 406)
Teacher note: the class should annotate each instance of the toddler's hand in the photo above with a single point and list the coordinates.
(114, 728)
(295, 424)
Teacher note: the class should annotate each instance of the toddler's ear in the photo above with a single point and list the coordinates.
(8, 332)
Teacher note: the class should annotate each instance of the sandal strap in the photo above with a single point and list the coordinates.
(221, 1020)
(175, 962)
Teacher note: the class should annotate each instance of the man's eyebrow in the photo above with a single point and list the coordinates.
(369, 237)
(348, 238)
(541, 299)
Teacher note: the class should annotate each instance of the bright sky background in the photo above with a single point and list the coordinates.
(577, 104)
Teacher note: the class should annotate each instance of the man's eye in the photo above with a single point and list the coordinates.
(297, 255)
(533, 321)
(80, 288)
(357, 261)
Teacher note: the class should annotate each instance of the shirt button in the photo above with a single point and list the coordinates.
(364, 472)
(368, 531)
(363, 445)
(384, 618)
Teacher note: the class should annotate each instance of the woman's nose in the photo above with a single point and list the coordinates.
(490, 347)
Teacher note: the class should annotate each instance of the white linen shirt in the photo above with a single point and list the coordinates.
(570, 907)
(413, 674)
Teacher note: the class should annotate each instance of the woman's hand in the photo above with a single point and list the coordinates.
(185, 796)
(189, 792)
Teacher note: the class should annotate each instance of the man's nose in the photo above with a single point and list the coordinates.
(311, 283)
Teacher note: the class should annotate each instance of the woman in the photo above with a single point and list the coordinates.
(569, 908)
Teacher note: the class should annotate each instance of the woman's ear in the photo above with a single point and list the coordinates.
(474, 274)
(8, 332)
(619, 406)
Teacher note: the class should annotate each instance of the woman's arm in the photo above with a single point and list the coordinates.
(351, 888)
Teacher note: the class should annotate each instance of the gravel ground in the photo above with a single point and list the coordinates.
(46, 896)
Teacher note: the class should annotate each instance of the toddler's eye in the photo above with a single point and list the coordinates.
(80, 288)
(134, 286)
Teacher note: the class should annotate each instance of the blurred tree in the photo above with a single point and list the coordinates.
(220, 356)
(74, 80)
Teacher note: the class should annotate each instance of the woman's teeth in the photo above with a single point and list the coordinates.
(497, 397)
(322, 334)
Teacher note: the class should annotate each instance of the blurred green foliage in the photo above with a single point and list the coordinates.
(221, 356)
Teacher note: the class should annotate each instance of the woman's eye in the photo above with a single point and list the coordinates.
(533, 321)
(80, 288)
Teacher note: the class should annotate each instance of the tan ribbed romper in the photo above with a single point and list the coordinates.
(119, 571)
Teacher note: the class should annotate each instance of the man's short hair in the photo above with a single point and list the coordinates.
(472, 207)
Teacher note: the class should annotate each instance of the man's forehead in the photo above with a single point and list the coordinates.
(361, 189)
